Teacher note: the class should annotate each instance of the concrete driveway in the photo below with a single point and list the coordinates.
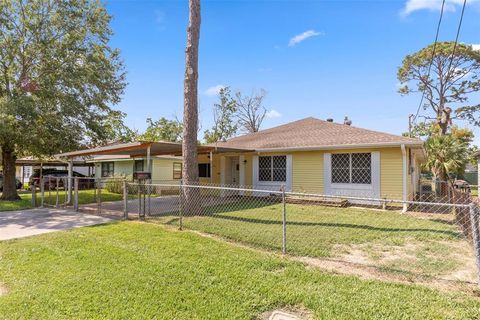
(24, 223)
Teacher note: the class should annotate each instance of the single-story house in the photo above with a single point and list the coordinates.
(308, 155)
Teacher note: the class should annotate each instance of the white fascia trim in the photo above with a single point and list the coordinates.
(342, 146)
(131, 159)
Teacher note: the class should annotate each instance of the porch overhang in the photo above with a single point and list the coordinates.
(142, 148)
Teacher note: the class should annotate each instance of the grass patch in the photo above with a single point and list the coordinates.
(131, 270)
(319, 231)
(84, 197)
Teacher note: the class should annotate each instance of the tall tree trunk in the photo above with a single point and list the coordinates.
(191, 196)
(9, 181)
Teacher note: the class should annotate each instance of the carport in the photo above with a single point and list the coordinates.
(146, 149)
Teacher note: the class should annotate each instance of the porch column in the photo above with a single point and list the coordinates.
(222, 174)
(69, 182)
(241, 160)
(149, 169)
(211, 167)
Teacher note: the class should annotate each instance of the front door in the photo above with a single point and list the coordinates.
(235, 171)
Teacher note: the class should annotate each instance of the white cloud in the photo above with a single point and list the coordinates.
(476, 47)
(160, 17)
(273, 114)
(432, 5)
(303, 36)
(213, 91)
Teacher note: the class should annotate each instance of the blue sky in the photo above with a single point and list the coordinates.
(327, 59)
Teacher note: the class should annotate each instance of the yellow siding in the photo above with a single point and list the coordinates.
(307, 169)
(307, 172)
(391, 173)
(162, 169)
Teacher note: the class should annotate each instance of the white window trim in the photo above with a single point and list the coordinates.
(259, 184)
(334, 188)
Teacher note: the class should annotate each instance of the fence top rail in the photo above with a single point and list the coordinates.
(178, 185)
(290, 193)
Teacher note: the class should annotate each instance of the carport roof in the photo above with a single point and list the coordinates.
(139, 148)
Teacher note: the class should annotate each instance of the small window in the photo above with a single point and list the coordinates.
(177, 170)
(355, 168)
(138, 166)
(272, 168)
(204, 170)
(108, 169)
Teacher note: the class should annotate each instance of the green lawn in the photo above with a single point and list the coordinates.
(133, 270)
(84, 197)
(400, 242)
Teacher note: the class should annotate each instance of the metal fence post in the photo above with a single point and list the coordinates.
(75, 194)
(34, 197)
(180, 211)
(125, 200)
(475, 237)
(284, 222)
(57, 187)
(42, 192)
(99, 197)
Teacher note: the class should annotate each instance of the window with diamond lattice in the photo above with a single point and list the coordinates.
(353, 168)
(272, 168)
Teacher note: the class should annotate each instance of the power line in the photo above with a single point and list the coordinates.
(433, 55)
(456, 40)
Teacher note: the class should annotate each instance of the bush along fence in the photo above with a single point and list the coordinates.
(430, 240)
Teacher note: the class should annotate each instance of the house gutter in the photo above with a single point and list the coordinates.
(344, 146)
(404, 178)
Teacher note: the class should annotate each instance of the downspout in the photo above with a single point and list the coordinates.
(404, 178)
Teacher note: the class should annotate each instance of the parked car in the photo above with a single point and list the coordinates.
(462, 185)
(50, 177)
(18, 184)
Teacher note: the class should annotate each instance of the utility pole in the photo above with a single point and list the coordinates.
(410, 117)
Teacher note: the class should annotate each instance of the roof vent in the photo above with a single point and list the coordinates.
(347, 121)
(329, 120)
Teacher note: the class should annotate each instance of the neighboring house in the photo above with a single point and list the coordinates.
(164, 168)
(312, 155)
(308, 155)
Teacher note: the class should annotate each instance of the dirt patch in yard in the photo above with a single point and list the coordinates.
(3, 290)
(287, 313)
(364, 262)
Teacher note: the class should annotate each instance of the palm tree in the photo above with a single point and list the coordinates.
(446, 154)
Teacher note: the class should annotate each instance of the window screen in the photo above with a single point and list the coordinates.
(107, 169)
(177, 170)
(138, 166)
(272, 168)
(355, 168)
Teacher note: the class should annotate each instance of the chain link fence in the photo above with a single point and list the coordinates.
(435, 237)
(431, 240)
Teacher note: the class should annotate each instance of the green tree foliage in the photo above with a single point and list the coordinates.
(163, 130)
(116, 130)
(450, 81)
(446, 154)
(224, 113)
(59, 77)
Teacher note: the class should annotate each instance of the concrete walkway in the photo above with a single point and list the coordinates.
(24, 223)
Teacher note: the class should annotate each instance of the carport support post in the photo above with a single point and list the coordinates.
(69, 182)
(125, 199)
(284, 222)
(474, 220)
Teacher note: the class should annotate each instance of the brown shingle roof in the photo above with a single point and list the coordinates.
(314, 133)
